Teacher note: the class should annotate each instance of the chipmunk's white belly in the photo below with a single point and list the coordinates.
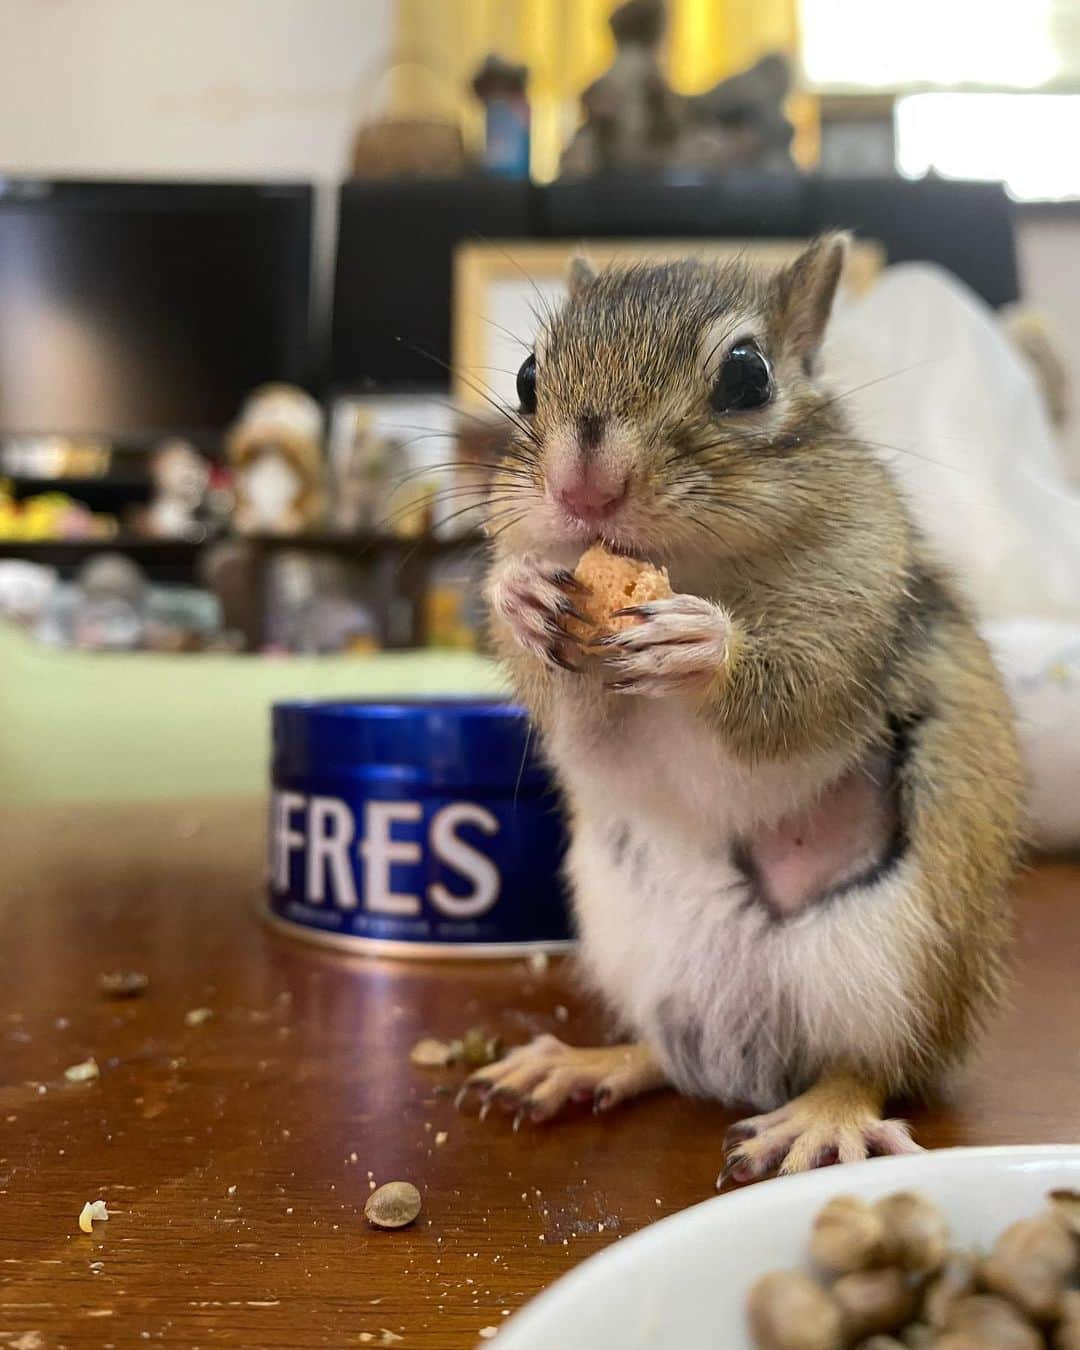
(657, 761)
(736, 1004)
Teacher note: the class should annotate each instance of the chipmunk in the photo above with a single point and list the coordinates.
(793, 787)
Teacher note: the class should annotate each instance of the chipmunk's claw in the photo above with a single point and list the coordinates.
(731, 1162)
(680, 644)
(554, 655)
(475, 1083)
(737, 1134)
(562, 576)
(530, 595)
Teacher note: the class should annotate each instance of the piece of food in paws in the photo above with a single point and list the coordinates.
(613, 583)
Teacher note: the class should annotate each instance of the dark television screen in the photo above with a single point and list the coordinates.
(129, 310)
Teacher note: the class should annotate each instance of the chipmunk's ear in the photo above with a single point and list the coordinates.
(581, 273)
(805, 291)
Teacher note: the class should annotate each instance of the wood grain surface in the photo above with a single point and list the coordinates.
(235, 1155)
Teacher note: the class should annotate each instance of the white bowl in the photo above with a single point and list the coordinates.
(682, 1282)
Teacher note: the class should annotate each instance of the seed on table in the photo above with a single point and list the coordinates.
(394, 1205)
(122, 983)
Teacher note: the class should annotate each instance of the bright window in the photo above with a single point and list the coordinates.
(1025, 140)
(996, 44)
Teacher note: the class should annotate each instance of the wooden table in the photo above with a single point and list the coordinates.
(235, 1155)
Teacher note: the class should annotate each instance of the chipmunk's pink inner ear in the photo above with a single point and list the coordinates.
(581, 273)
(805, 291)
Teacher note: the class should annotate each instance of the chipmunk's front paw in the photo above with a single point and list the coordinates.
(533, 597)
(681, 643)
(536, 1080)
(837, 1120)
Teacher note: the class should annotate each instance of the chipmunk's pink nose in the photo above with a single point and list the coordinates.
(589, 490)
(589, 495)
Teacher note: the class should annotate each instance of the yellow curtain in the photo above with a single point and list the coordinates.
(566, 44)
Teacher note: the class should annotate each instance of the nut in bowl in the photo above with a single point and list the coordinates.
(889, 1272)
(907, 1239)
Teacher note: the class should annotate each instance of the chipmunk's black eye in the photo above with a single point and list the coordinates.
(526, 385)
(744, 380)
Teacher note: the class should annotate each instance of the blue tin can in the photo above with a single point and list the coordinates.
(427, 828)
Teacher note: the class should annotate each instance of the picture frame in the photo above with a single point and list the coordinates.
(502, 287)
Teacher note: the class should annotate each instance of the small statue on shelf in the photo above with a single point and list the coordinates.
(109, 604)
(276, 451)
(500, 85)
(635, 120)
(362, 481)
(180, 476)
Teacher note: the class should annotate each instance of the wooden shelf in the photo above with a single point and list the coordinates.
(343, 543)
(176, 560)
(356, 545)
(167, 560)
(137, 546)
(107, 489)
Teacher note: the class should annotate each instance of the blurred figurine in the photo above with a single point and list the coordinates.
(741, 120)
(634, 119)
(180, 476)
(184, 619)
(275, 448)
(110, 607)
(310, 609)
(362, 480)
(500, 86)
(109, 610)
(26, 590)
(372, 490)
(229, 569)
